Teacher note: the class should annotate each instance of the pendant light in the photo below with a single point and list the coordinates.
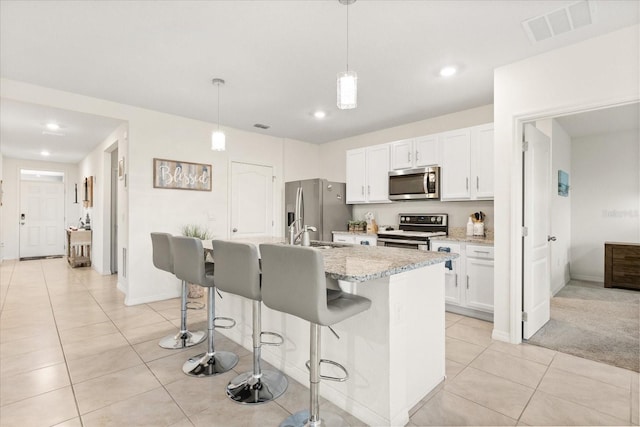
(347, 80)
(217, 137)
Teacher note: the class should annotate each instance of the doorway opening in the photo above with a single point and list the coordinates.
(42, 214)
(595, 198)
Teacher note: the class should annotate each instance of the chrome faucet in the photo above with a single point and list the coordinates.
(302, 235)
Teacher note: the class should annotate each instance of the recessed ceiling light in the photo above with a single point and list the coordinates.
(53, 126)
(44, 153)
(319, 114)
(448, 71)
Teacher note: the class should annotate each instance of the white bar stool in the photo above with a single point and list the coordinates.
(163, 260)
(293, 282)
(237, 271)
(189, 265)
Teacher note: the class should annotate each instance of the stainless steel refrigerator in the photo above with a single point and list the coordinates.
(319, 203)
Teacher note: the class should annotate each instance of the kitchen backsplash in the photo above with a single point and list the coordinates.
(387, 214)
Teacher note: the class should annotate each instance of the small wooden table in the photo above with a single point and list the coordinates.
(79, 247)
(622, 265)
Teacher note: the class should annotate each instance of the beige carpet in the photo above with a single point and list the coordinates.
(591, 321)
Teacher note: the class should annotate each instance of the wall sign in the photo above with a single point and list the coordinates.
(180, 175)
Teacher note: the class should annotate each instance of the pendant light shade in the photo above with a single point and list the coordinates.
(347, 84)
(218, 139)
(347, 90)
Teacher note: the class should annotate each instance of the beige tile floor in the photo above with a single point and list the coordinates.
(72, 354)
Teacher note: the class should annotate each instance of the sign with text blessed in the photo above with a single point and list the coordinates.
(181, 175)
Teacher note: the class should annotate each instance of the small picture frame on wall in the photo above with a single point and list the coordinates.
(121, 168)
(563, 183)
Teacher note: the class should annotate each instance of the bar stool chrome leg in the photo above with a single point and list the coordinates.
(312, 417)
(184, 338)
(259, 386)
(212, 362)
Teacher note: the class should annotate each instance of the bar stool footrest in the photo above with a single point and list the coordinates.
(330, 378)
(273, 334)
(226, 319)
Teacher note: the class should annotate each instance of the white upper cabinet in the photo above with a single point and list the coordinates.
(415, 152)
(368, 174)
(356, 175)
(456, 164)
(482, 158)
(402, 154)
(467, 163)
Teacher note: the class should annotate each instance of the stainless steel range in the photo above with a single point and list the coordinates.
(414, 231)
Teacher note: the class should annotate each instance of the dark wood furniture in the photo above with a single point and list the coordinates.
(622, 265)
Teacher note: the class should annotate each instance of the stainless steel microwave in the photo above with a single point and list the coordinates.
(415, 184)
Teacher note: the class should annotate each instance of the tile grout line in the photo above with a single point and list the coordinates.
(64, 356)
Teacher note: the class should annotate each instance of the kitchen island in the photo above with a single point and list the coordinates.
(394, 352)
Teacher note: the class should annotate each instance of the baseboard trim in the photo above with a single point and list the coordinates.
(501, 336)
(587, 278)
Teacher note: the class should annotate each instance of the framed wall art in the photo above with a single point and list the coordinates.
(179, 175)
(563, 183)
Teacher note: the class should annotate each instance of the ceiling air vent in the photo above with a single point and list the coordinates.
(261, 126)
(560, 21)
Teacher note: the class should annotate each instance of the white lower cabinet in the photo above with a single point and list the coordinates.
(469, 281)
(355, 239)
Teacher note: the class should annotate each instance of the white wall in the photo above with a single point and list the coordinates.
(560, 206)
(98, 165)
(157, 135)
(11, 199)
(604, 203)
(601, 71)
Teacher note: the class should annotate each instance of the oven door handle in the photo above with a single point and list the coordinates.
(405, 242)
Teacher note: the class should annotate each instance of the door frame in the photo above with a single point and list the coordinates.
(64, 202)
(516, 282)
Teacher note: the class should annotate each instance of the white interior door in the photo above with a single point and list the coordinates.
(251, 200)
(536, 254)
(41, 218)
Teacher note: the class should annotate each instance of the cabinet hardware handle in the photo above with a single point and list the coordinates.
(417, 156)
(477, 182)
(551, 238)
(456, 280)
(467, 182)
(363, 190)
(481, 252)
(369, 190)
(467, 282)
(409, 156)
(235, 230)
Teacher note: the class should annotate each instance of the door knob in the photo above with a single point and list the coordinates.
(235, 230)
(551, 238)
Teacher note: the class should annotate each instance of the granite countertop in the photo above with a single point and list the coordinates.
(459, 234)
(359, 263)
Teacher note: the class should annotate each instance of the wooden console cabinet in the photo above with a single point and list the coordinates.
(622, 265)
(79, 247)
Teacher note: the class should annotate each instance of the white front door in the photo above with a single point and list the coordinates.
(41, 219)
(251, 200)
(536, 255)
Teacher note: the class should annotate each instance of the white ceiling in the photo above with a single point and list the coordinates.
(597, 122)
(280, 58)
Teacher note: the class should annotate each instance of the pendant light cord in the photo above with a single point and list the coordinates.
(347, 37)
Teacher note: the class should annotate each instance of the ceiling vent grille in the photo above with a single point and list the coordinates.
(559, 21)
(261, 126)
